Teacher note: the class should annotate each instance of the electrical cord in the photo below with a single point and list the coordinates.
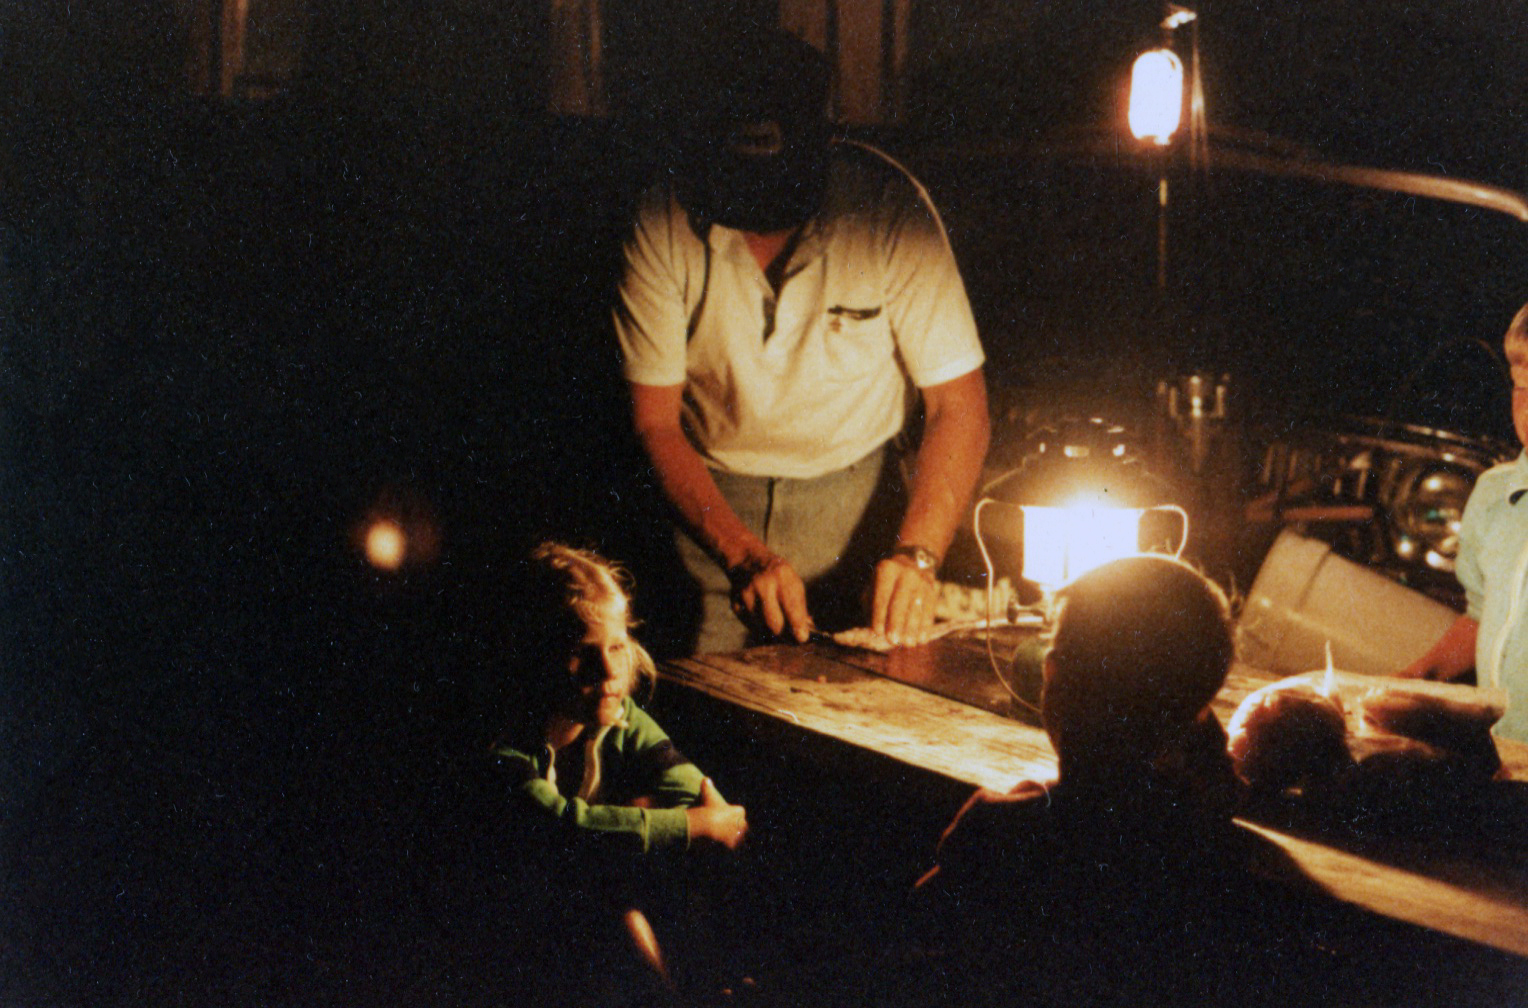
(981, 544)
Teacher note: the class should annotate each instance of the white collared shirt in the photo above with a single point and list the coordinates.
(1493, 568)
(812, 379)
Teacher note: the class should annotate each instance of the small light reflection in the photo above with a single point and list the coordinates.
(398, 533)
(386, 544)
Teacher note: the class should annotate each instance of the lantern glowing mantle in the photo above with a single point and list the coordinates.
(1062, 543)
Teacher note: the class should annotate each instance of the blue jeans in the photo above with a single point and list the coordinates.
(832, 530)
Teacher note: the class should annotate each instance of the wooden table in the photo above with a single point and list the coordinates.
(941, 709)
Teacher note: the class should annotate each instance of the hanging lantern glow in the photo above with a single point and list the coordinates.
(1156, 96)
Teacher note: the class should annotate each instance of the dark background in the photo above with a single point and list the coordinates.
(234, 329)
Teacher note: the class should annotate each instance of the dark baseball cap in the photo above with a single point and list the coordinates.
(756, 131)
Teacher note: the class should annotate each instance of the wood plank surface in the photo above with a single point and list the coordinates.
(811, 690)
(905, 706)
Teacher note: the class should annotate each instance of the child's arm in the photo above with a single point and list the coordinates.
(677, 784)
(663, 777)
(642, 830)
(675, 807)
(1452, 655)
(714, 820)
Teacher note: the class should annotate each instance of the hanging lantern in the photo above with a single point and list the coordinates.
(1156, 96)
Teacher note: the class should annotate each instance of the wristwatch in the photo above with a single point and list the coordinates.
(921, 557)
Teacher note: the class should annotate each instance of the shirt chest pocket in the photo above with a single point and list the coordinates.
(856, 339)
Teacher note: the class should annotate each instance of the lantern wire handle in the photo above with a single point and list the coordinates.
(1183, 516)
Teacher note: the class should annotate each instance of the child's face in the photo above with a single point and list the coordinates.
(1517, 359)
(602, 668)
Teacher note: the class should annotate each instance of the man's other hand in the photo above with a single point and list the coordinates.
(902, 604)
(769, 591)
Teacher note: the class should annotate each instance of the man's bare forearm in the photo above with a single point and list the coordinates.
(684, 478)
(948, 462)
(689, 488)
(763, 584)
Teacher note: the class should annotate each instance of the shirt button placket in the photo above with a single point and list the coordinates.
(771, 305)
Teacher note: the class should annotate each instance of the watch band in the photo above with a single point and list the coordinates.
(921, 557)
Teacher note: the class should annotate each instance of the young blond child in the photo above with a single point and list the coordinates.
(588, 755)
(594, 783)
(1492, 635)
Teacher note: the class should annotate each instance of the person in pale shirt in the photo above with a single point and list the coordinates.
(784, 301)
(1491, 637)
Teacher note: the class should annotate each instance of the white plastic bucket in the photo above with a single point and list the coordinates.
(1305, 596)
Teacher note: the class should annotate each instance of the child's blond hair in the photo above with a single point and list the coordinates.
(1517, 329)
(573, 588)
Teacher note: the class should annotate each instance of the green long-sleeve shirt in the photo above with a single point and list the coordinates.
(617, 765)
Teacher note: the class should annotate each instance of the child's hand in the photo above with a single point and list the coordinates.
(713, 820)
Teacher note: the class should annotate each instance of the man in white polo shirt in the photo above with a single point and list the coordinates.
(782, 298)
